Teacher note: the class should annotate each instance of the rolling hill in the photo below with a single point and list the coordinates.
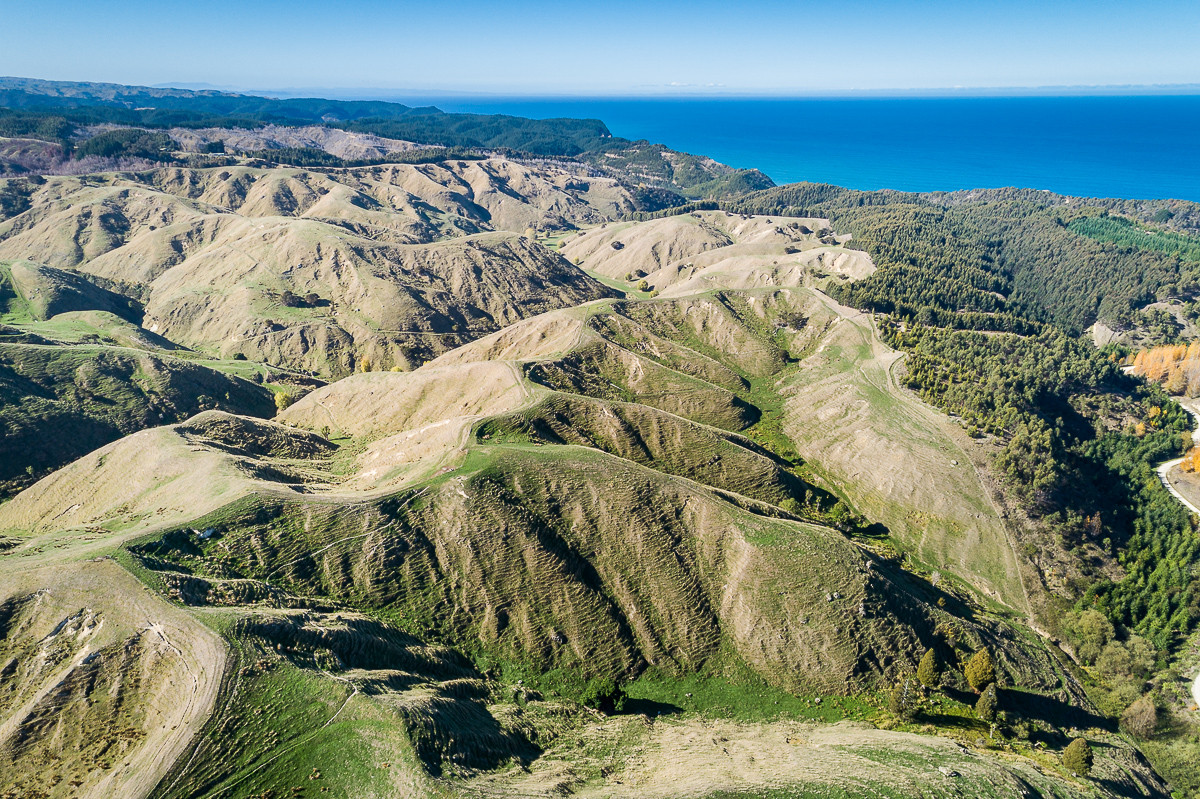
(622, 545)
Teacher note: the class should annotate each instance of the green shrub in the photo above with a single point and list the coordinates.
(929, 672)
(980, 671)
(985, 708)
(603, 694)
(903, 702)
(1077, 757)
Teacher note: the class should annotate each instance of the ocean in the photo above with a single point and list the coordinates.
(1145, 147)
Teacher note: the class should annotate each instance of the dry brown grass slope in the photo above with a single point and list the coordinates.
(211, 252)
(343, 144)
(375, 405)
(900, 461)
(897, 460)
(162, 476)
(103, 685)
(650, 437)
(711, 250)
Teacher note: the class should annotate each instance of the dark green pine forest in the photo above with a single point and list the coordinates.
(990, 295)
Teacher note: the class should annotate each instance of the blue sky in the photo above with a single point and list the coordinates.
(614, 47)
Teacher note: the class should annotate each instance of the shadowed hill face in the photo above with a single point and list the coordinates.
(59, 403)
(36, 292)
(374, 306)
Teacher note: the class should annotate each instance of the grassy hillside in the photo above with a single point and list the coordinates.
(58, 403)
(329, 274)
(1074, 441)
(686, 537)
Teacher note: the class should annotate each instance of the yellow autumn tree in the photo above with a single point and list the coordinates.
(1175, 383)
(1191, 461)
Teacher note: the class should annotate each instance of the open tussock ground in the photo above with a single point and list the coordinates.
(898, 459)
(706, 250)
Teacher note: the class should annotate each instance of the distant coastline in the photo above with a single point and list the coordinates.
(1134, 146)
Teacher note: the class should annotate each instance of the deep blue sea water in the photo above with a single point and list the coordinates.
(1112, 146)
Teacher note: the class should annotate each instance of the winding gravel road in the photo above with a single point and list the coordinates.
(1163, 469)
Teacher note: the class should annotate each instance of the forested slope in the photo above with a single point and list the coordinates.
(988, 293)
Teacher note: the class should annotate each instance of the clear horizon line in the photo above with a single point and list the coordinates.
(698, 91)
(662, 91)
(665, 93)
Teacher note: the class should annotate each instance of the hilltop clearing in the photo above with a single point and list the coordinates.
(690, 253)
(340, 143)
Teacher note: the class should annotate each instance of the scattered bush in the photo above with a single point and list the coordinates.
(291, 300)
(284, 400)
(986, 707)
(929, 671)
(980, 671)
(1141, 718)
(1077, 757)
(903, 702)
(1092, 631)
(604, 695)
